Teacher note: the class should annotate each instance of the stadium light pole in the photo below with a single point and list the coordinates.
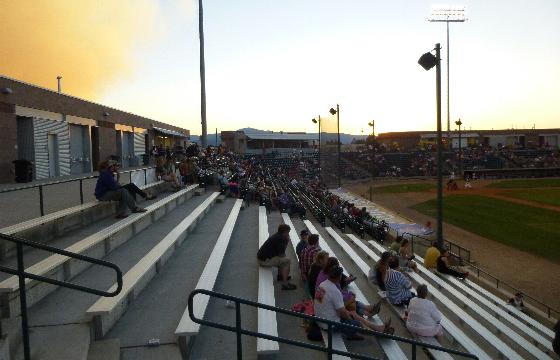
(428, 61)
(202, 76)
(59, 80)
(318, 121)
(337, 112)
(459, 123)
(448, 14)
(372, 124)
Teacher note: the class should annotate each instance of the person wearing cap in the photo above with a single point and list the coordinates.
(108, 189)
(444, 268)
(302, 244)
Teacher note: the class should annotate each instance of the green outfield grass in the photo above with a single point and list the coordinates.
(523, 227)
(403, 188)
(526, 184)
(545, 196)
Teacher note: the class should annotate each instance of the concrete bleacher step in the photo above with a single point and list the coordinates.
(105, 350)
(458, 335)
(107, 310)
(95, 245)
(486, 332)
(45, 228)
(390, 347)
(267, 322)
(65, 306)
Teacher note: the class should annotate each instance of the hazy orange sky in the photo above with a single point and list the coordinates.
(276, 65)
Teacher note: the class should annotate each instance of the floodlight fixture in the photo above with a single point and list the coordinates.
(428, 61)
(332, 111)
(314, 121)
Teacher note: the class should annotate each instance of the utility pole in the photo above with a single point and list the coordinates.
(447, 15)
(202, 76)
(439, 151)
(59, 79)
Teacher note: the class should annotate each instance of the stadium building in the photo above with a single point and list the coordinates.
(58, 134)
(268, 142)
(513, 138)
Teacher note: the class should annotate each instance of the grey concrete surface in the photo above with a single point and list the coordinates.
(158, 309)
(66, 306)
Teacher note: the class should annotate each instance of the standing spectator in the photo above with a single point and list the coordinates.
(423, 317)
(318, 264)
(273, 254)
(302, 244)
(107, 189)
(308, 255)
(444, 268)
(397, 285)
(432, 254)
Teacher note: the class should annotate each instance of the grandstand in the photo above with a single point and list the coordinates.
(205, 237)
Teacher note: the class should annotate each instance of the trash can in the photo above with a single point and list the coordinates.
(24, 170)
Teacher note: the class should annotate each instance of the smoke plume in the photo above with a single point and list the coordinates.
(89, 43)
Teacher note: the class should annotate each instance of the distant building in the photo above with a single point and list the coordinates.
(62, 135)
(514, 138)
(268, 142)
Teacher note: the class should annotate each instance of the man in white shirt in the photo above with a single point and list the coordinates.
(329, 305)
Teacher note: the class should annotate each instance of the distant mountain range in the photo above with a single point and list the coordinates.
(344, 138)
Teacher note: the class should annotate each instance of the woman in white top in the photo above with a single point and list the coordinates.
(423, 317)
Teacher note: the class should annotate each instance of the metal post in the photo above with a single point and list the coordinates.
(41, 207)
(216, 137)
(319, 143)
(413, 351)
(145, 177)
(460, 151)
(81, 191)
(329, 342)
(59, 78)
(202, 76)
(338, 136)
(448, 117)
(439, 150)
(238, 330)
(23, 302)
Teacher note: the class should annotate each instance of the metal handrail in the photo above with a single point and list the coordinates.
(57, 182)
(450, 245)
(331, 325)
(22, 275)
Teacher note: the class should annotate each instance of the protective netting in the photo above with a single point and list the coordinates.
(328, 158)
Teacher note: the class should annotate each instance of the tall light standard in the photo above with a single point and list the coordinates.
(459, 123)
(202, 76)
(448, 14)
(428, 61)
(372, 124)
(337, 112)
(318, 121)
(59, 80)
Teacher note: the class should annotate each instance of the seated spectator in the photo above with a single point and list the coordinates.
(556, 341)
(318, 264)
(397, 285)
(107, 189)
(444, 268)
(517, 301)
(377, 273)
(432, 254)
(396, 245)
(308, 255)
(406, 257)
(302, 244)
(130, 187)
(164, 171)
(273, 254)
(329, 305)
(222, 181)
(423, 318)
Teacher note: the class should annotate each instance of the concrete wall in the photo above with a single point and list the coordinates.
(8, 148)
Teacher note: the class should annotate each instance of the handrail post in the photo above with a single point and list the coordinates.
(41, 207)
(413, 351)
(238, 330)
(23, 302)
(329, 342)
(81, 191)
(145, 177)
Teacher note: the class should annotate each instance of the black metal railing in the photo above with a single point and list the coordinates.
(81, 180)
(463, 255)
(22, 275)
(331, 326)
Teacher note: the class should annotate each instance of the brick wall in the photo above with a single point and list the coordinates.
(8, 136)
